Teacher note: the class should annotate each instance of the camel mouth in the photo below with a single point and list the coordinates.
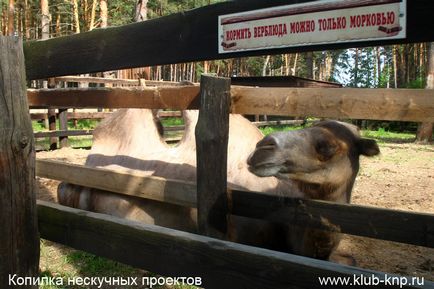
(264, 169)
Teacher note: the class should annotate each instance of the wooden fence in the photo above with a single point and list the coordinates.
(63, 116)
(168, 252)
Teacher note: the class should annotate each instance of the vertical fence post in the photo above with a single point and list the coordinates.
(63, 125)
(212, 132)
(19, 239)
(52, 117)
(52, 127)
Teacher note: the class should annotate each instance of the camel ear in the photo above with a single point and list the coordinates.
(368, 147)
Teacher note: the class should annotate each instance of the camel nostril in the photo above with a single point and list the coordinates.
(269, 142)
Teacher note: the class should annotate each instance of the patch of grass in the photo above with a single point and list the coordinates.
(81, 124)
(59, 261)
(384, 136)
(270, 129)
(84, 124)
(75, 142)
(172, 121)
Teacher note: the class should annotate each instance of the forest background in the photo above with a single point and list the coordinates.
(394, 66)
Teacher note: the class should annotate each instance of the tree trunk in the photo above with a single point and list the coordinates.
(264, 68)
(395, 65)
(11, 18)
(45, 20)
(309, 65)
(425, 130)
(378, 62)
(356, 68)
(141, 11)
(92, 16)
(103, 13)
(294, 68)
(328, 67)
(76, 16)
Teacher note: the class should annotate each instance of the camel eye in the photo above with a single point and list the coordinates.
(325, 150)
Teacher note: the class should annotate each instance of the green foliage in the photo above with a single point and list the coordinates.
(417, 83)
(382, 135)
(270, 129)
(120, 12)
(83, 124)
(172, 121)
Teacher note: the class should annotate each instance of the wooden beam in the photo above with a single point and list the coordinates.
(174, 128)
(38, 116)
(162, 113)
(212, 135)
(180, 98)
(278, 122)
(19, 237)
(88, 115)
(73, 115)
(52, 127)
(62, 133)
(104, 80)
(355, 103)
(385, 224)
(182, 37)
(63, 125)
(155, 188)
(171, 253)
(399, 226)
(281, 81)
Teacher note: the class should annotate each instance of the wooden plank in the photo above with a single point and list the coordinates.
(104, 80)
(38, 116)
(63, 125)
(88, 115)
(162, 113)
(182, 37)
(155, 188)
(52, 127)
(171, 253)
(180, 98)
(281, 81)
(278, 122)
(88, 79)
(405, 227)
(73, 115)
(379, 223)
(355, 103)
(62, 133)
(212, 135)
(174, 128)
(19, 238)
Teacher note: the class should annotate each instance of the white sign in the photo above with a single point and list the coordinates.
(312, 23)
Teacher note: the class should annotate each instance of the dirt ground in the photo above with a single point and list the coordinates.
(402, 178)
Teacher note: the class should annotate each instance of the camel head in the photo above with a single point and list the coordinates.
(323, 159)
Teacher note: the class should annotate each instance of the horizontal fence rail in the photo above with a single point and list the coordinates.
(73, 115)
(62, 133)
(127, 82)
(179, 98)
(392, 225)
(168, 252)
(182, 37)
(355, 103)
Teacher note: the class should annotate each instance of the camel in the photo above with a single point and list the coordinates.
(319, 162)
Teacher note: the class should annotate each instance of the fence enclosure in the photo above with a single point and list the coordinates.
(169, 252)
